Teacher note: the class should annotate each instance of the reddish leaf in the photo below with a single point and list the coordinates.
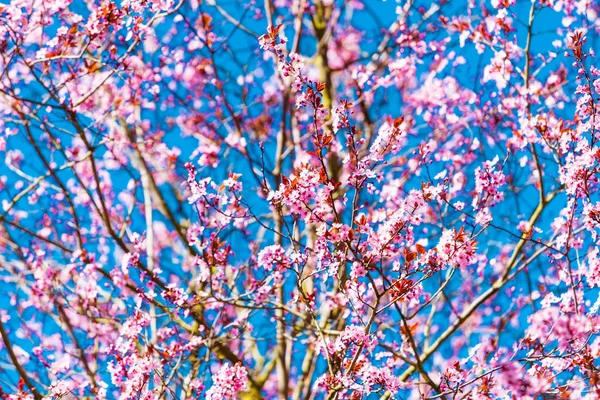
(411, 329)
(398, 122)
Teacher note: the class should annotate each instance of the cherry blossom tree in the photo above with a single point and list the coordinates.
(299, 199)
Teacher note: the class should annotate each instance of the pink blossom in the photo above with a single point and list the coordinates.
(228, 382)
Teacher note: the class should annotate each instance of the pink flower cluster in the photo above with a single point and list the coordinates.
(456, 249)
(228, 381)
(489, 179)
